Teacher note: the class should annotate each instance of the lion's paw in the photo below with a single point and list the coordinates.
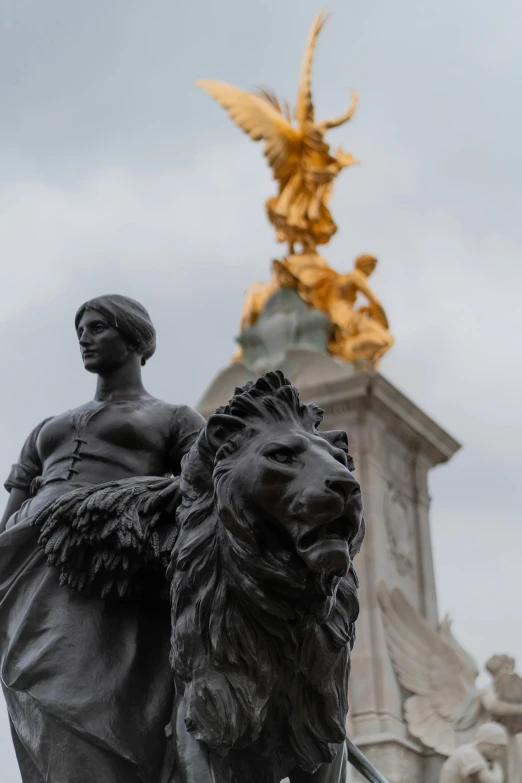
(224, 710)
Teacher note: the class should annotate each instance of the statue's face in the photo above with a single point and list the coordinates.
(102, 346)
(367, 267)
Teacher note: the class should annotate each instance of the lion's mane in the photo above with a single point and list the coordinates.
(242, 630)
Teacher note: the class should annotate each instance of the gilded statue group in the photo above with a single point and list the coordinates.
(305, 169)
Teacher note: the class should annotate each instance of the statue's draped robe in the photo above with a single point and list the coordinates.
(87, 682)
(514, 760)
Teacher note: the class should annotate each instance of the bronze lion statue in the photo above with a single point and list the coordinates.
(263, 592)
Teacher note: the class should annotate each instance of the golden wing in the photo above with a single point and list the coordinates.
(261, 119)
(304, 109)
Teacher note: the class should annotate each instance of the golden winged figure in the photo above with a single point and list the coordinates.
(301, 160)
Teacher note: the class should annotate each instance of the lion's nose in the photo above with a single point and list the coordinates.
(344, 486)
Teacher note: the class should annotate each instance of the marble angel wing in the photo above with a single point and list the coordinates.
(261, 117)
(469, 663)
(429, 667)
(471, 709)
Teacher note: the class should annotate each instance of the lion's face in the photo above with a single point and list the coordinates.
(295, 484)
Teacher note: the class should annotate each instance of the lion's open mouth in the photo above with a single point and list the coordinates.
(337, 529)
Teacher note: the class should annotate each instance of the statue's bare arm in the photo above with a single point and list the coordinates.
(498, 708)
(16, 498)
(375, 305)
(357, 281)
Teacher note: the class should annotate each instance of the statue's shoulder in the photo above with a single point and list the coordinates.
(182, 423)
(175, 410)
(32, 438)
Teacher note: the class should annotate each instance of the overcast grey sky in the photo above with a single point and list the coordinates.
(118, 175)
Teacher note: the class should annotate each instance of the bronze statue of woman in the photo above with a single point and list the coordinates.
(87, 681)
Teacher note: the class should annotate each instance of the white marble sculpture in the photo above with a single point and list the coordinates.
(479, 761)
(445, 708)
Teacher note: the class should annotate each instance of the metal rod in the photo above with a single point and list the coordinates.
(362, 764)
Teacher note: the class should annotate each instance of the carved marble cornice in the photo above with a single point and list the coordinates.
(370, 392)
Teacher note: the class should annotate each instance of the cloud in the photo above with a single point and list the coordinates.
(120, 218)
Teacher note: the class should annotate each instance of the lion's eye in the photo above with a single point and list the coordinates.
(283, 456)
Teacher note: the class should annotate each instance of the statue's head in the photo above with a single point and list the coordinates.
(112, 331)
(491, 741)
(500, 664)
(278, 479)
(366, 264)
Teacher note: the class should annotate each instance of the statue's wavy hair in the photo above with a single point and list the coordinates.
(129, 317)
(243, 603)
